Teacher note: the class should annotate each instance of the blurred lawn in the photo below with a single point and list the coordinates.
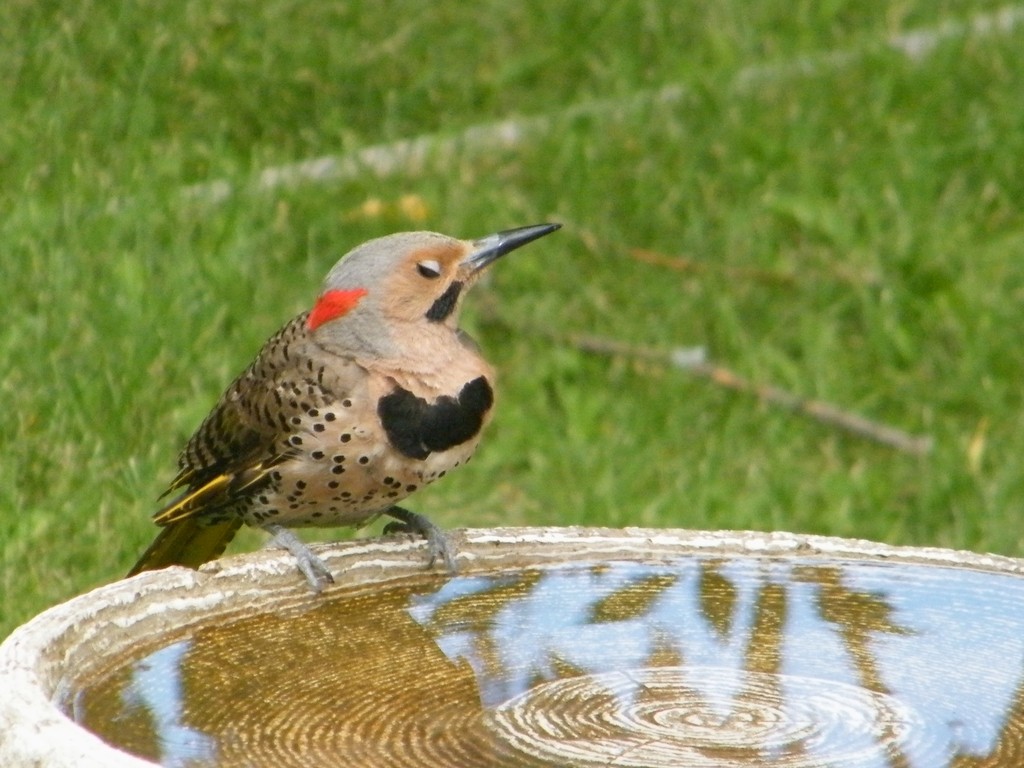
(850, 218)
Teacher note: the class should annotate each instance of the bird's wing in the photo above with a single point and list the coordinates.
(246, 435)
(243, 438)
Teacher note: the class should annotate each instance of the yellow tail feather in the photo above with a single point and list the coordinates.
(187, 542)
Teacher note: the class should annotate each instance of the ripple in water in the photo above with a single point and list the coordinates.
(682, 716)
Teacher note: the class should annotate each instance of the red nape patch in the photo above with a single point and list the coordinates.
(332, 305)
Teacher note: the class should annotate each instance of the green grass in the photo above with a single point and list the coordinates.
(858, 224)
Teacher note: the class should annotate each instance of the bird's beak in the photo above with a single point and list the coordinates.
(493, 247)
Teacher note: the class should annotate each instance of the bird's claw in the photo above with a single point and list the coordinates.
(312, 567)
(439, 545)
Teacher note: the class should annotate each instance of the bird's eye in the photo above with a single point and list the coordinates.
(429, 269)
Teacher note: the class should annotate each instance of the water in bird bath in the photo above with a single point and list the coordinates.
(695, 661)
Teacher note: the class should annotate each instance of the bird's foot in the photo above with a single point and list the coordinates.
(311, 566)
(439, 545)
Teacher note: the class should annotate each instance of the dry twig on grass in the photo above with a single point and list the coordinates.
(694, 361)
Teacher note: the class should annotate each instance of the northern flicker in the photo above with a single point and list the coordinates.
(349, 408)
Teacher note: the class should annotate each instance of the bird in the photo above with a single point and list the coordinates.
(349, 408)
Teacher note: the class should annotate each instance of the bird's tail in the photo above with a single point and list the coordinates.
(187, 542)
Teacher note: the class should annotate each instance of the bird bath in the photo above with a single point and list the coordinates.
(551, 647)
